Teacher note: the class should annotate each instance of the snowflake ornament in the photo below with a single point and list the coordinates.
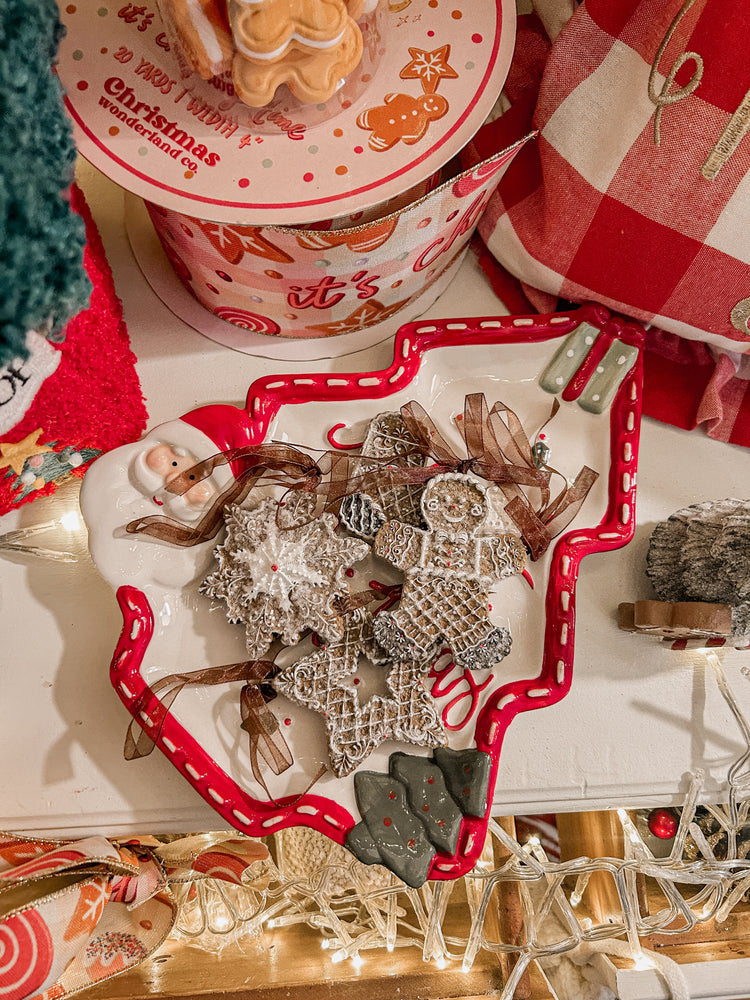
(429, 67)
(281, 579)
(323, 682)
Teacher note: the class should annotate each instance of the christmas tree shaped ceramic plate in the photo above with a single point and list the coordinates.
(337, 600)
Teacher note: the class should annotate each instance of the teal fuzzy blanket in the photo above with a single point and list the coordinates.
(42, 279)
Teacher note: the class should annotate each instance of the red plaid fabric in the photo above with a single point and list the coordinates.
(637, 191)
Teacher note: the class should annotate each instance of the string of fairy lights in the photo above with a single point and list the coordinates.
(356, 914)
(357, 910)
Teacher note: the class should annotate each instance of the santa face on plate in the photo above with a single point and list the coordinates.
(129, 483)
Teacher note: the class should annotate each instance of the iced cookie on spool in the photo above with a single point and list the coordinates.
(200, 31)
(310, 46)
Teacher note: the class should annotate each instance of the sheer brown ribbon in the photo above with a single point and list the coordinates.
(497, 450)
(258, 721)
(273, 463)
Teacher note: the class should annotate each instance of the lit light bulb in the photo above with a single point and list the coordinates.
(71, 521)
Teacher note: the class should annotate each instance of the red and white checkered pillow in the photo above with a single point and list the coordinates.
(636, 193)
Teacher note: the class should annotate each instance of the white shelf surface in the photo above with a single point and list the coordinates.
(638, 720)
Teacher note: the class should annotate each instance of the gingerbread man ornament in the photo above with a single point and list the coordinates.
(448, 570)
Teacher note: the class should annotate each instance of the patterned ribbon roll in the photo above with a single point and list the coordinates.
(299, 282)
(76, 913)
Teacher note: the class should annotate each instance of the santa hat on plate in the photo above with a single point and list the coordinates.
(227, 426)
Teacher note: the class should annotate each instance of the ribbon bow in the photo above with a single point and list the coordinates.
(258, 721)
(498, 450)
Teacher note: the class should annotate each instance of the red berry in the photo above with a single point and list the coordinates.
(662, 823)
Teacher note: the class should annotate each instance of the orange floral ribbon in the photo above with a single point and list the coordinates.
(75, 913)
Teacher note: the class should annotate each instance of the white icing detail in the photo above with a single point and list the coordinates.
(192, 771)
(278, 565)
(560, 666)
(169, 745)
(272, 821)
(241, 817)
(215, 796)
(206, 33)
(294, 37)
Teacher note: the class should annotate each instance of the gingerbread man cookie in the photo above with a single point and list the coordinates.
(448, 570)
(402, 118)
(311, 47)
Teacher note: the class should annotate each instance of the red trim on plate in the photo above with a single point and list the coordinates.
(265, 398)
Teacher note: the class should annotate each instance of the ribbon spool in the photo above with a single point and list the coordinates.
(313, 283)
(236, 194)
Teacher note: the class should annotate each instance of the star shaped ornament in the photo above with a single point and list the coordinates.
(324, 683)
(429, 67)
(281, 579)
(16, 454)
